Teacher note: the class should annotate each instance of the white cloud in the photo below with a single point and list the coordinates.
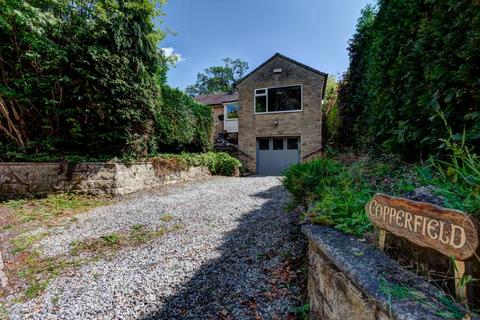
(170, 52)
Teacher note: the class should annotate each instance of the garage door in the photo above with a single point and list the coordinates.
(274, 155)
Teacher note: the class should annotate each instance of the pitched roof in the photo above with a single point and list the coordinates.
(216, 98)
(290, 60)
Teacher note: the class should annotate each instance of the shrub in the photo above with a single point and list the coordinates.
(165, 165)
(219, 163)
(333, 191)
(225, 164)
(303, 180)
(458, 177)
(183, 124)
(337, 191)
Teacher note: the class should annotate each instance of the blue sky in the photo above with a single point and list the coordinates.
(314, 32)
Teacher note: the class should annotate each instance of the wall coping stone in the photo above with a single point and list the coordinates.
(366, 269)
(113, 178)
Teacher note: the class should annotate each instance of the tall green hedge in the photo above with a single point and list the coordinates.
(182, 123)
(85, 78)
(409, 61)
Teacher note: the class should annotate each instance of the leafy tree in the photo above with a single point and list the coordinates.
(412, 61)
(351, 95)
(85, 77)
(80, 76)
(183, 123)
(218, 79)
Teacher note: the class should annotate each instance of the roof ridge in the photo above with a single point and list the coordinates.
(278, 54)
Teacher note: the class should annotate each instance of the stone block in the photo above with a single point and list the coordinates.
(345, 285)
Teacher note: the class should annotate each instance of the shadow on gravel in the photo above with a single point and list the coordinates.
(256, 276)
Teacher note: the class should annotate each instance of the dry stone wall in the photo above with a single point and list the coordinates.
(348, 279)
(89, 178)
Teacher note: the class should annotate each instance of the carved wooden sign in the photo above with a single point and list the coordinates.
(448, 231)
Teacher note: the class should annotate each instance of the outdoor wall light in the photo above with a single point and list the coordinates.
(275, 123)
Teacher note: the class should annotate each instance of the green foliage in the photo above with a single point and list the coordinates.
(303, 180)
(218, 79)
(463, 166)
(330, 111)
(111, 239)
(219, 163)
(85, 79)
(303, 311)
(337, 191)
(351, 88)
(35, 289)
(82, 76)
(338, 194)
(409, 58)
(52, 206)
(400, 292)
(183, 124)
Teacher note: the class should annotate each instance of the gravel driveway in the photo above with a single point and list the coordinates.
(236, 257)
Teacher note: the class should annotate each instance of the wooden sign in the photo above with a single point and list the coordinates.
(448, 231)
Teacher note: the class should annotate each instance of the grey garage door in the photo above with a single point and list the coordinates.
(275, 154)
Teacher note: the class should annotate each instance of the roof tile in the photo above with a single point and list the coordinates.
(216, 98)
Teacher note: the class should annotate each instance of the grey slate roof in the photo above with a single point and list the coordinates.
(217, 98)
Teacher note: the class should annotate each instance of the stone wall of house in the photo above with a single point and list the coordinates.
(306, 124)
(348, 279)
(89, 178)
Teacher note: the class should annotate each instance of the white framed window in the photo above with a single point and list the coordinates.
(261, 100)
(231, 111)
(278, 99)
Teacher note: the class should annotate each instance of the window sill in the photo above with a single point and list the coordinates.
(274, 112)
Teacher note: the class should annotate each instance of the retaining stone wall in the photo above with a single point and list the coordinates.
(348, 279)
(97, 178)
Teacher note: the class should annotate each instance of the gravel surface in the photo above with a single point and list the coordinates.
(227, 262)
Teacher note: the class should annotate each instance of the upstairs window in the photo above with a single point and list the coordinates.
(261, 100)
(280, 99)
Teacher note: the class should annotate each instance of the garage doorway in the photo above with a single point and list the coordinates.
(274, 155)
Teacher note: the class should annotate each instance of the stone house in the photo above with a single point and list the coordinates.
(225, 111)
(278, 113)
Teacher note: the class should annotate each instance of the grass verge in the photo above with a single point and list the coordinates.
(48, 209)
(138, 234)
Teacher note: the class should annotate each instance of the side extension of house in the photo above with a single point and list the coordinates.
(277, 113)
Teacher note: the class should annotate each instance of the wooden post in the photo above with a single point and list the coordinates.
(462, 269)
(381, 239)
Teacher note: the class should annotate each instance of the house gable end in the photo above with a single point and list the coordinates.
(264, 73)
